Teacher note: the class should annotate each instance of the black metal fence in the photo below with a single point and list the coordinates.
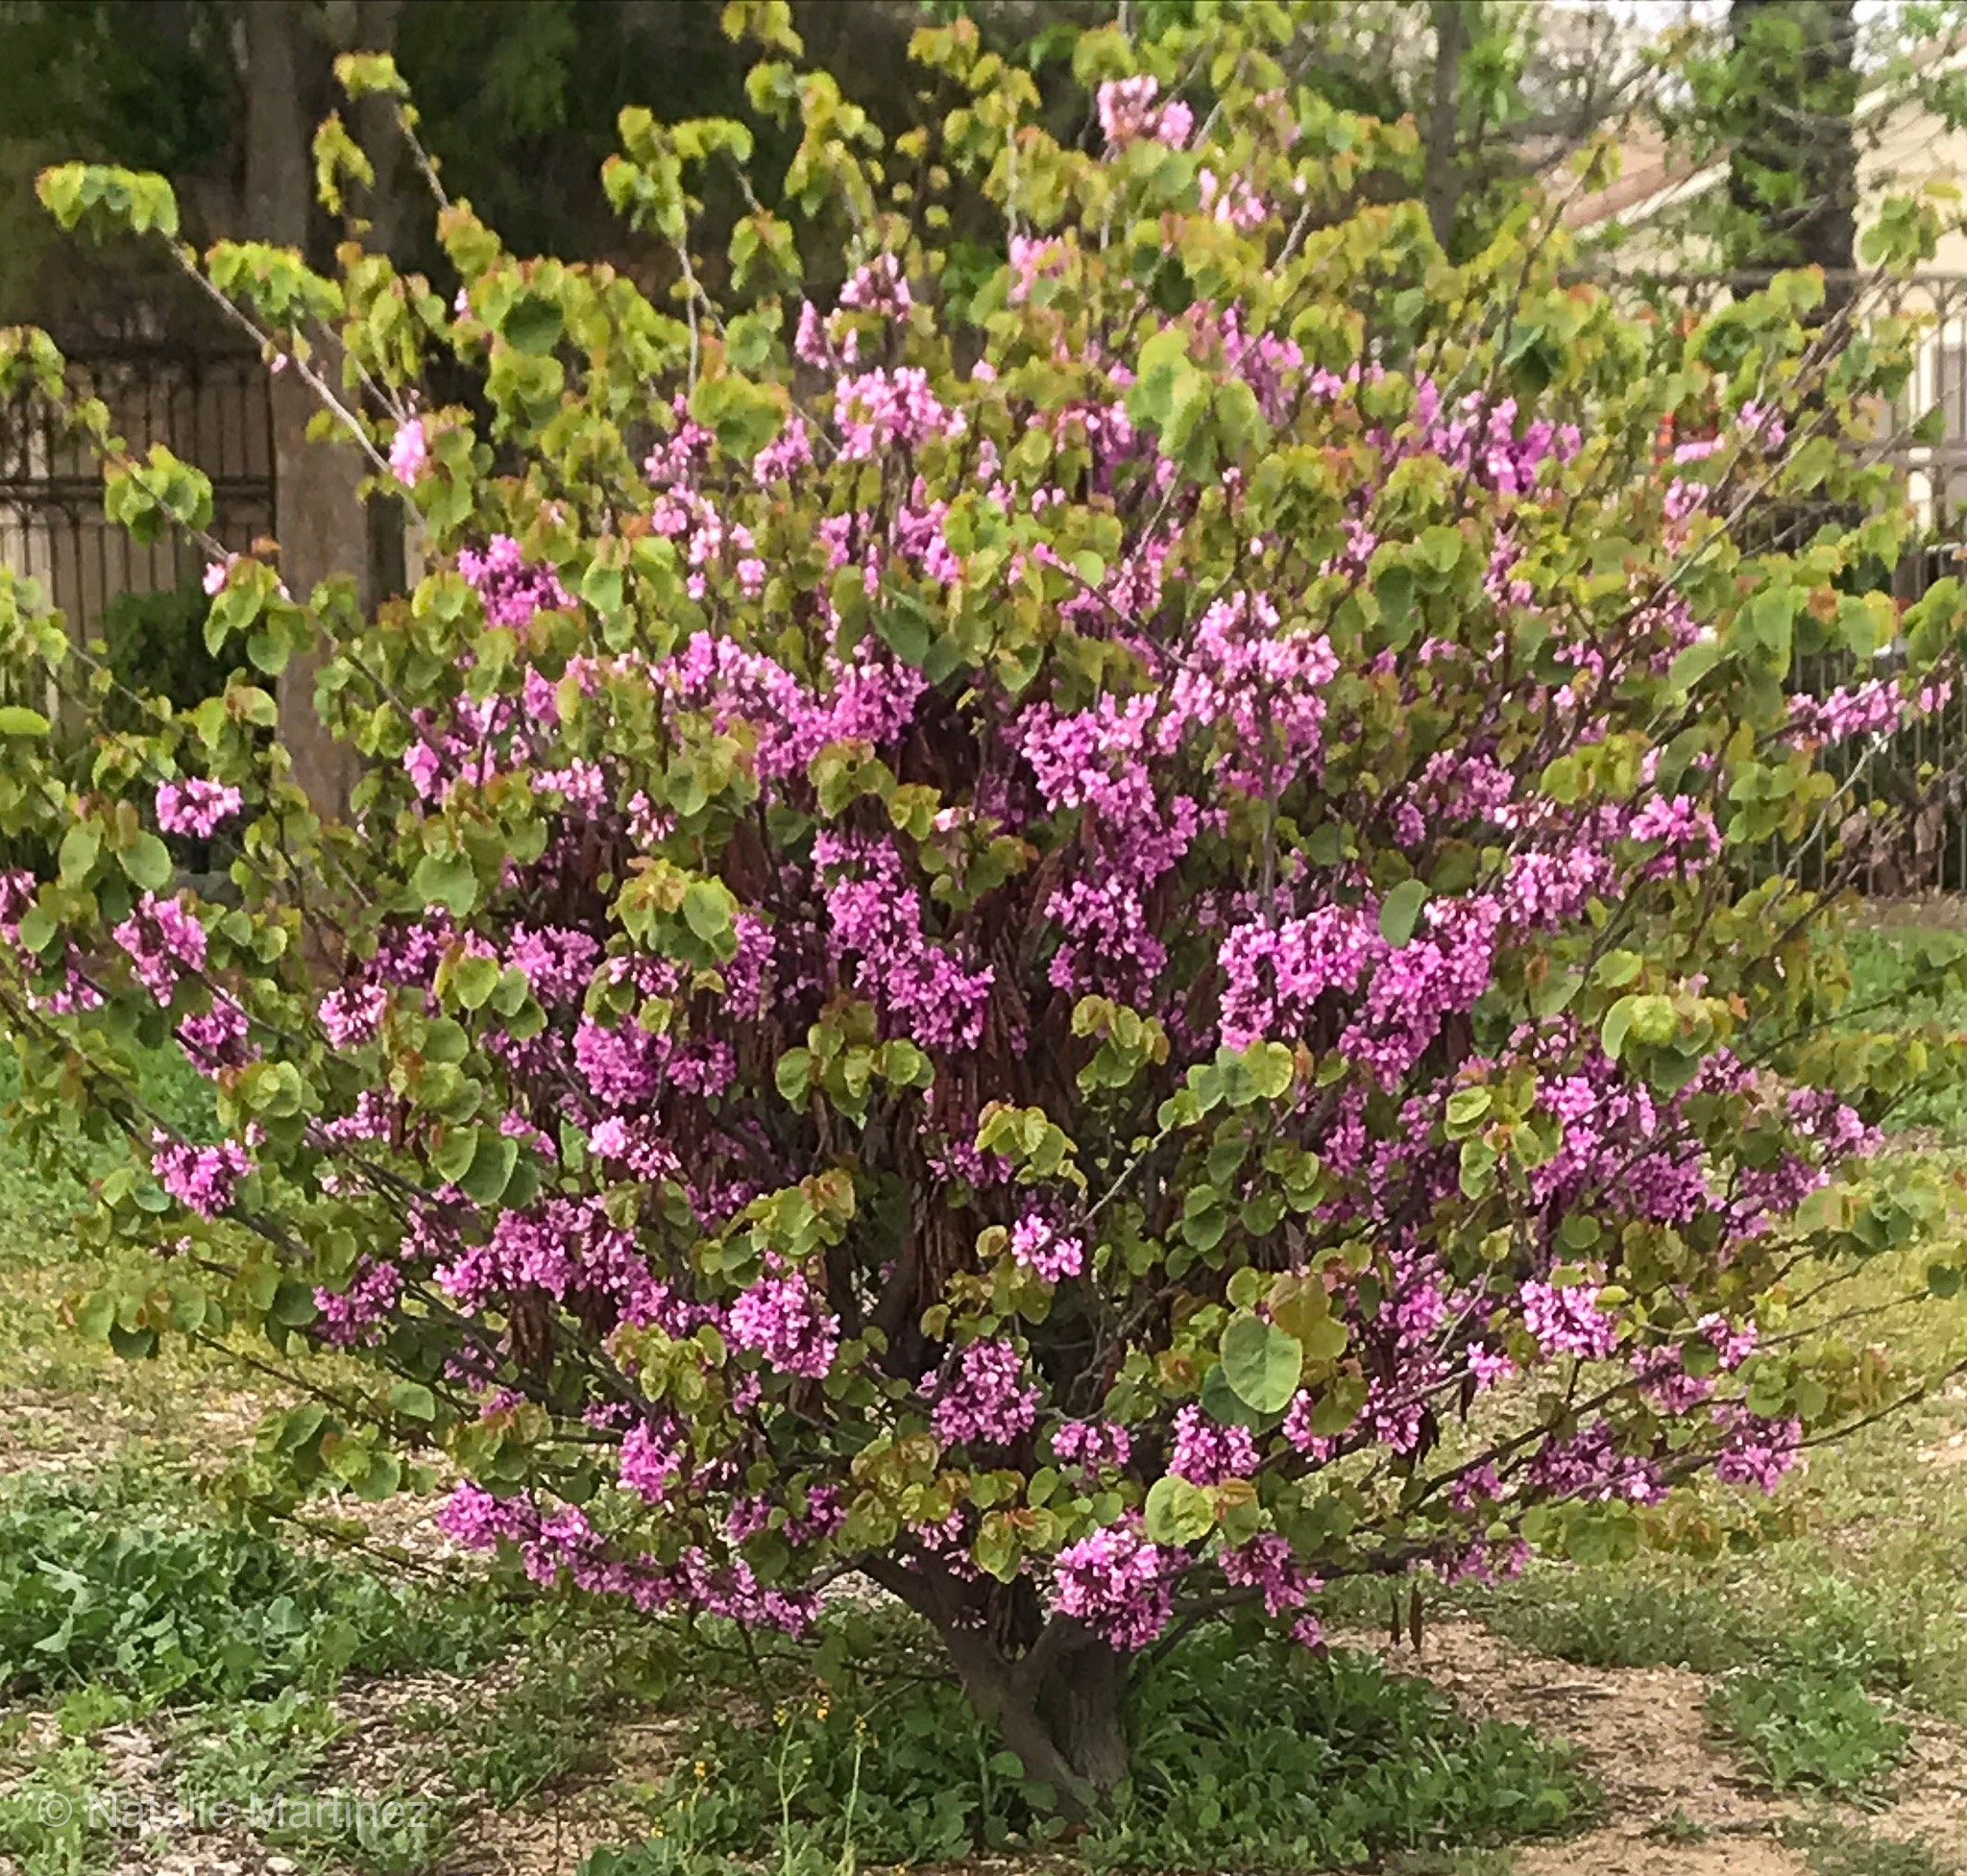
(211, 407)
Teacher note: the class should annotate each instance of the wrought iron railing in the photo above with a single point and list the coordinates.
(211, 407)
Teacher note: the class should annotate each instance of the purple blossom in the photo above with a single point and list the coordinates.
(651, 1460)
(1037, 1244)
(1091, 1444)
(786, 1320)
(984, 1400)
(1268, 1565)
(1755, 1449)
(409, 452)
(197, 806)
(1207, 1453)
(217, 1038)
(200, 1178)
(351, 1316)
(1568, 1320)
(1118, 1584)
(163, 940)
(352, 1016)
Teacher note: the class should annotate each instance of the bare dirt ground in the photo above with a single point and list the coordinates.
(1675, 1805)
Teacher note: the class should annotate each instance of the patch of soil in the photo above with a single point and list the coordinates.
(1674, 1803)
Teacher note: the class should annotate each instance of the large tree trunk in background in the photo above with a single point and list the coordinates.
(1799, 107)
(383, 205)
(319, 518)
(1794, 79)
(1440, 186)
(1055, 1694)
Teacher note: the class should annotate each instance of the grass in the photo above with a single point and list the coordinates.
(120, 1583)
(1339, 1764)
(1896, 981)
(1833, 1847)
(1853, 1570)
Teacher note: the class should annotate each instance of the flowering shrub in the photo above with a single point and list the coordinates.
(1027, 944)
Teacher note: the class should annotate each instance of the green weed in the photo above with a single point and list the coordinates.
(128, 1585)
(1808, 1732)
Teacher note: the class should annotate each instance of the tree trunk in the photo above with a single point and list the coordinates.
(1440, 186)
(319, 517)
(1055, 1694)
(1794, 70)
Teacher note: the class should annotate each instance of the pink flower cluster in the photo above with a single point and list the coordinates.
(566, 1541)
(786, 1320)
(352, 1317)
(196, 806)
(409, 452)
(164, 941)
(1207, 1453)
(1129, 109)
(1118, 1584)
(512, 589)
(1042, 1248)
(985, 1400)
(1091, 1445)
(1568, 1320)
(201, 1177)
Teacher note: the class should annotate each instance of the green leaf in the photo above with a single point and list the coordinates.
(17, 720)
(293, 1303)
(474, 979)
(533, 325)
(1261, 1363)
(452, 1158)
(486, 1177)
(148, 863)
(385, 1474)
(1220, 1403)
(79, 846)
(1618, 1019)
(413, 1400)
(1400, 912)
(448, 880)
(1440, 547)
(792, 1075)
(707, 909)
(1179, 1511)
(1618, 969)
(1693, 663)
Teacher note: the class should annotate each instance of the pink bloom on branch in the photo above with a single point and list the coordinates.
(1568, 1320)
(1268, 1565)
(1118, 1584)
(1207, 1453)
(1091, 1444)
(164, 940)
(202, 1179)
(352, 1016)
(1757, 1450)
(984, 1400)
(651, 1462)
(217, 1037)
(1037, 1245)
(350, 1318)
(786, 1320)
(409, 452)
(198, 806)
(217, 573)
